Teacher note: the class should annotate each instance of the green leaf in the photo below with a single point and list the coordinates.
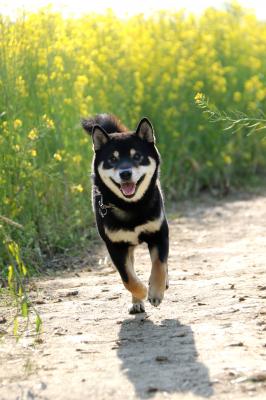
(38, 323)
(15, 327)
(24, 269)
(24, 309)
(10, 275)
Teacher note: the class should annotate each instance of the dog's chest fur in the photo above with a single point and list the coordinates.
(133, 235)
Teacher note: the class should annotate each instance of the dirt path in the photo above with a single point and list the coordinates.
(206, 340)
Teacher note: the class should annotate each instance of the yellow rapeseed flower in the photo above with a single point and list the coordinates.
(227, 159)
(77, 158)
(42, 79)
(253, 84)
(237, 97)
(33, 135)
(198, 85)
(77, 188)
(48, 122)
(53, 76)
(33, 153)
(67, 101)
(84, 140)
(21, 87)
(58, 63)
(260, 94)
(57, 157)
(199, 97)
(17, 124)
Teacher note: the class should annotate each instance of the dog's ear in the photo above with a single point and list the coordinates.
(145, 130)
(99, 137)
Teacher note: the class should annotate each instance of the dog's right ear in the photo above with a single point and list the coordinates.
(145, 130)
(99, 137)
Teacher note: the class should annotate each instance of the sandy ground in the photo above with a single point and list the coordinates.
(206, 340)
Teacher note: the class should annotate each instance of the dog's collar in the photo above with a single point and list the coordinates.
(103, 208)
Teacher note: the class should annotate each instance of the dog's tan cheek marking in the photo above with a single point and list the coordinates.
(132, 152)
(147, 170)
(134, 285)
(105, 176)
(116, 154)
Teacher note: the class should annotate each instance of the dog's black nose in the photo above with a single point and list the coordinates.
(125, 174)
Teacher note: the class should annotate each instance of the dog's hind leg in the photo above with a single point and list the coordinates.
(122, 256)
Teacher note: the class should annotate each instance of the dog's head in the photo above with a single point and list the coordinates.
(126, 162)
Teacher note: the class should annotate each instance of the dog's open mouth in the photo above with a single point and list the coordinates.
(129, 188)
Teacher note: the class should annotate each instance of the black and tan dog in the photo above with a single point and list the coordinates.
(128, 202)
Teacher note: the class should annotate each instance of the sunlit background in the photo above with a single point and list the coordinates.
(126, 7)
(57, 66)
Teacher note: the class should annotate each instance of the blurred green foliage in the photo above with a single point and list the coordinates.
(53, 71)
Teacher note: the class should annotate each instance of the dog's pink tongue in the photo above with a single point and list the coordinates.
(128, 188)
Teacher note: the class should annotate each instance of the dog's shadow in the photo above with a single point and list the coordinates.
(161, 358)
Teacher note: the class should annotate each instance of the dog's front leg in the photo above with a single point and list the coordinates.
(122, 256)
(158, 281)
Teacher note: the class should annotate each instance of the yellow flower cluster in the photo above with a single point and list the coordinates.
(77, 188)
(17, 124)
(49, 123)
(33, 134)
(57, 156)
(199, 97)
(57, 70)
(33, 152)
(102, 63)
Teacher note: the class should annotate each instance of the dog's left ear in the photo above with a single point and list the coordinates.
(145, 130)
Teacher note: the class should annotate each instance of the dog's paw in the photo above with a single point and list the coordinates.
(137, 308)
(155, 301)
(155, 297)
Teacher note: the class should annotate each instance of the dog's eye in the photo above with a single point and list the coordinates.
(112, 159)
(137, 157)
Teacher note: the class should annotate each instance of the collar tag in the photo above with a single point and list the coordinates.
(102, 207)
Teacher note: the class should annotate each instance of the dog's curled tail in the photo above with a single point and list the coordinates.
(109, 122)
